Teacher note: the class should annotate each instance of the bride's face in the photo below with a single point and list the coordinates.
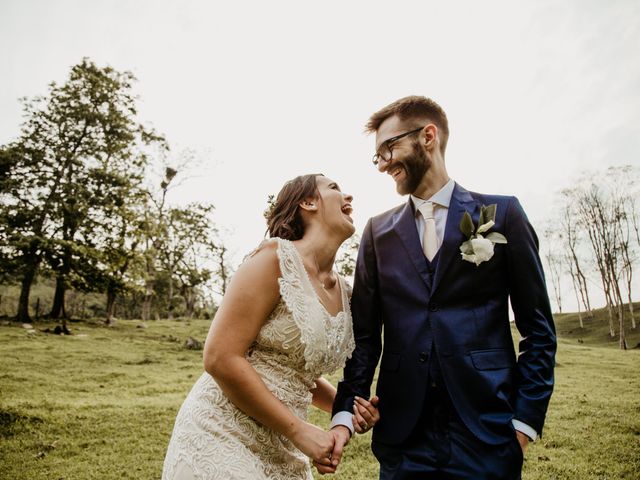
(335, 206)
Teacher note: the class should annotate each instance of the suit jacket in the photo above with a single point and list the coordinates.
(464, 313)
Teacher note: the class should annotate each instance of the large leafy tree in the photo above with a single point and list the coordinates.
(78, 157)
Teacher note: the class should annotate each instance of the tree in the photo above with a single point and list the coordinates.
(600, 211)
(154, 230)
(629, 260)
(73, 152)
(25, 210)
(626, 179)
(222, 268)
(189, 237)
(554, 263)
(571, 237)
(120, 233)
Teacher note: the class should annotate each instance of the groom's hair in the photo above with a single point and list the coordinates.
(413, 109)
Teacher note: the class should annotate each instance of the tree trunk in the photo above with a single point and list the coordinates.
(612, 331)
(575, 290)
(25, 290)
(190, 301)
(170, 296)
(554, 263)
(623, 339)
(629, 276)
(584, 293)
(149, 283)
(58, 308)
(111, 303)
(620, 313)
(146, 306)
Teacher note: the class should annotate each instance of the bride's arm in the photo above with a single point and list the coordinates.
(323, 395)
(251, 296)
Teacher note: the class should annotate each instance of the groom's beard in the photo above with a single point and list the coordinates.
(416, 165)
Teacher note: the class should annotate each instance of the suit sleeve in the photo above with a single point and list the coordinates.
(367, 328)
(533, 319)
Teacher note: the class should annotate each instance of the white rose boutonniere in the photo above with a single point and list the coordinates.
(479, 248)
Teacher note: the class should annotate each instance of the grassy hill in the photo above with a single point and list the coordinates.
(100, 404)
(596, 329)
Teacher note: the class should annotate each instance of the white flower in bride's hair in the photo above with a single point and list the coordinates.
(478, 249)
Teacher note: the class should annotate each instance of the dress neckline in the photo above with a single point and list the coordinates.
(298, 256)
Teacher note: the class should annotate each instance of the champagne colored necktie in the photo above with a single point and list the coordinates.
(430, 237)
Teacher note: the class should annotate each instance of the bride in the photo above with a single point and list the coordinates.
(283, 323)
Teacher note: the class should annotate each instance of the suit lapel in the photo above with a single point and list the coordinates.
(405, 227)
(461, 201)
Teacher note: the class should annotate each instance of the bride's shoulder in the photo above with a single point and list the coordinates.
(262, 261)
(271, 250)
(266, 247)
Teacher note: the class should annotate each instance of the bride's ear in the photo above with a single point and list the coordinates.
(310, 205)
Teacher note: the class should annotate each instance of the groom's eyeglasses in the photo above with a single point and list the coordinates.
(385, 152)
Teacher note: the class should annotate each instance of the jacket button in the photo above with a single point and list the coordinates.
(433, 307)
(424, 356)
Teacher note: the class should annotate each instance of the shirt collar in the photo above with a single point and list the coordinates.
(441, 198)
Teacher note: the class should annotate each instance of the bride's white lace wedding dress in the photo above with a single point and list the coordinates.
(300, 341)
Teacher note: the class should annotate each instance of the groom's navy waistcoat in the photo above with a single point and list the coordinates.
(457, 311)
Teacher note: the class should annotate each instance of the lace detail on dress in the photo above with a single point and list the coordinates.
(213, 439)
(328, 341)
(305, 316)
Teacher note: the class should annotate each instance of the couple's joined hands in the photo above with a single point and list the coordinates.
(324, 448)
(365, 416)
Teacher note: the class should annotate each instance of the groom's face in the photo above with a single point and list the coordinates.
(409, 162)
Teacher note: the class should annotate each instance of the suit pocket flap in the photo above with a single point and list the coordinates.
(491, 359)
(390, 362)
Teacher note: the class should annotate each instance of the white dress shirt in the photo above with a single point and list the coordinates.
(441, 201)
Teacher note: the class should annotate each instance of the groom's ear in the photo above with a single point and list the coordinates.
(309, 204)
(429, 136)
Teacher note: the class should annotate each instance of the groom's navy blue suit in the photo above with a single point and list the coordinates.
(447, 322)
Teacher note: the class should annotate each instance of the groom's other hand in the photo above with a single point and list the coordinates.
(341, 436)
(523, 440)
(365, 414)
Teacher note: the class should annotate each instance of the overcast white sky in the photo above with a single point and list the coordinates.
(535, 91)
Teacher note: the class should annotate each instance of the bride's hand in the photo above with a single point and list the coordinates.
(315, 443)
(365, 414)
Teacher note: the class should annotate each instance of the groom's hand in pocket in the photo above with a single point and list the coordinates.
(523, 440)
(341, 436)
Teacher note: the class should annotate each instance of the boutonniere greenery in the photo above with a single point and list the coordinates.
(479, 248)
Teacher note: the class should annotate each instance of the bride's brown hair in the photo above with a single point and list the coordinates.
(283, 219)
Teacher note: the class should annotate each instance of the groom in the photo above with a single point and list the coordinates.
(455, 400)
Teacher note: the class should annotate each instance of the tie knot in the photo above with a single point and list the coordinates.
(426, 210)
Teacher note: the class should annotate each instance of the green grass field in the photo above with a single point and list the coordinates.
(100, 404)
